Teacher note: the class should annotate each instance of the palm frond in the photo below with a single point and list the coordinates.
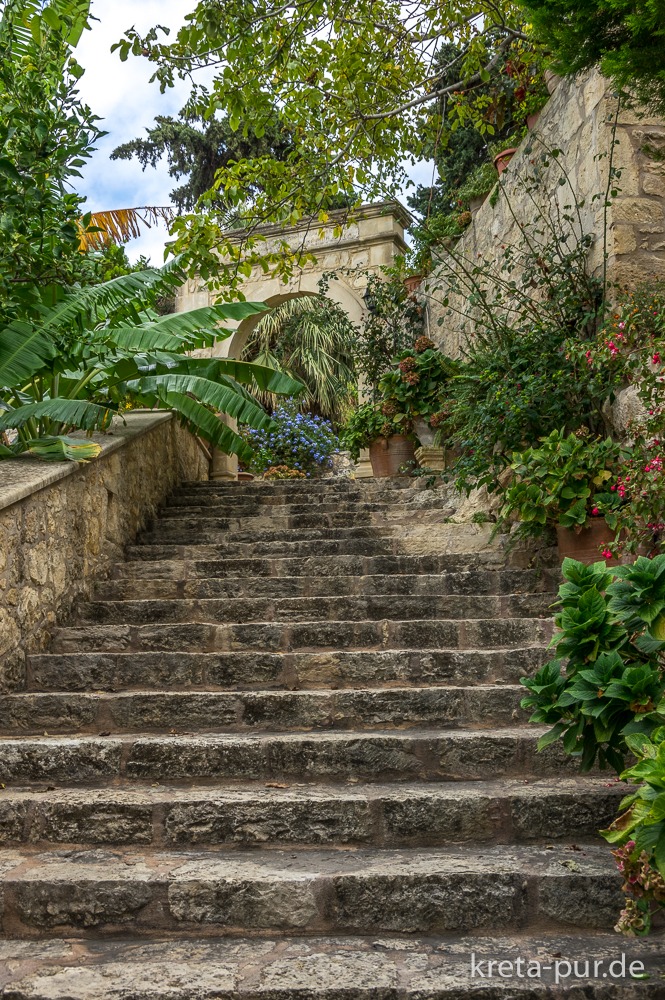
(309, 339)
(119, 225)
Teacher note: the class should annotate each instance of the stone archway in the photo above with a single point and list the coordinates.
(365, 243)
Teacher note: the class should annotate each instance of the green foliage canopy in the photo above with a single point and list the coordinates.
(627, 39)
(357, 88)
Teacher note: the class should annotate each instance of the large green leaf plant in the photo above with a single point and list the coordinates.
(604, 697)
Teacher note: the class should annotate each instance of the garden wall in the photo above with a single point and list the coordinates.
(577, 120)
(62, 525)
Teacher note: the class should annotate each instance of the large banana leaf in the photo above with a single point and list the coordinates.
(243, 372)
(204, 423)
(24, 350)
(224, 397)
(169, 333)
(72, 412)
(91, 302)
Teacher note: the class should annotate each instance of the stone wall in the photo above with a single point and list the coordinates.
(62, 525)
(578, 120)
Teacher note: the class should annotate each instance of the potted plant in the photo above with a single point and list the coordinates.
(389, 439)
(503, 158)
(407, 410)
(568, 483)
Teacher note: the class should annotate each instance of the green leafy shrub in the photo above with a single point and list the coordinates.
(366, 424)
(299, 441)
(565, 481)
(610, 641)
(392, 322)
(532, 311)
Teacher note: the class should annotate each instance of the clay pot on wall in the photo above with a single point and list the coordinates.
(413, 283)
(532, 120)
(552, 80)
(502, 159)
(584, 546)
(388, 454)
(245, 477)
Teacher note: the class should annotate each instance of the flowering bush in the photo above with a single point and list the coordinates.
(283, 472)
(296, 440)
(415, 386)
(418, 385)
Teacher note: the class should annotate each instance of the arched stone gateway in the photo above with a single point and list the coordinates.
(369, 241)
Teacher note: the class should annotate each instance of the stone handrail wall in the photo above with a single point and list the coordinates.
(578, 120)
(63, 524)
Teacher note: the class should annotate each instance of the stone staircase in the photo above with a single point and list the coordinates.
(279, 756)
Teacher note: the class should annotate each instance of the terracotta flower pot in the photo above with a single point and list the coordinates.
(502, 159)
(585, 545)
(412, 283)
(245, 477)
(532, 120)
(388, 454)
(552, 80)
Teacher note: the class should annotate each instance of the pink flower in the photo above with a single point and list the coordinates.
(595, 512)
(606, 553)
(656, 359)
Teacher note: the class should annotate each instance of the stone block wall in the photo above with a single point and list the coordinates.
(62, 525)
(578, 120)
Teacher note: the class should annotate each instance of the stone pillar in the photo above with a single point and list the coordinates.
(224, 466)
(363, 466)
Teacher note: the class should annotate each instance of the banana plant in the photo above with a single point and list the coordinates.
(103, 345)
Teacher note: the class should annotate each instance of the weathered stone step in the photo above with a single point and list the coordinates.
(428, 891)
(423, 754)
(277, 711)
(398, 815)
(218, 532)
(354, 488)
(522, 582)
(272, 506)
(480, 633)
(309, 609)
(242, 670)
(283, 505)
(248, 550)
(465, 572)
(339, 968)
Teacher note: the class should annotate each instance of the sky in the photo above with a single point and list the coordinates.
(120, 94)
